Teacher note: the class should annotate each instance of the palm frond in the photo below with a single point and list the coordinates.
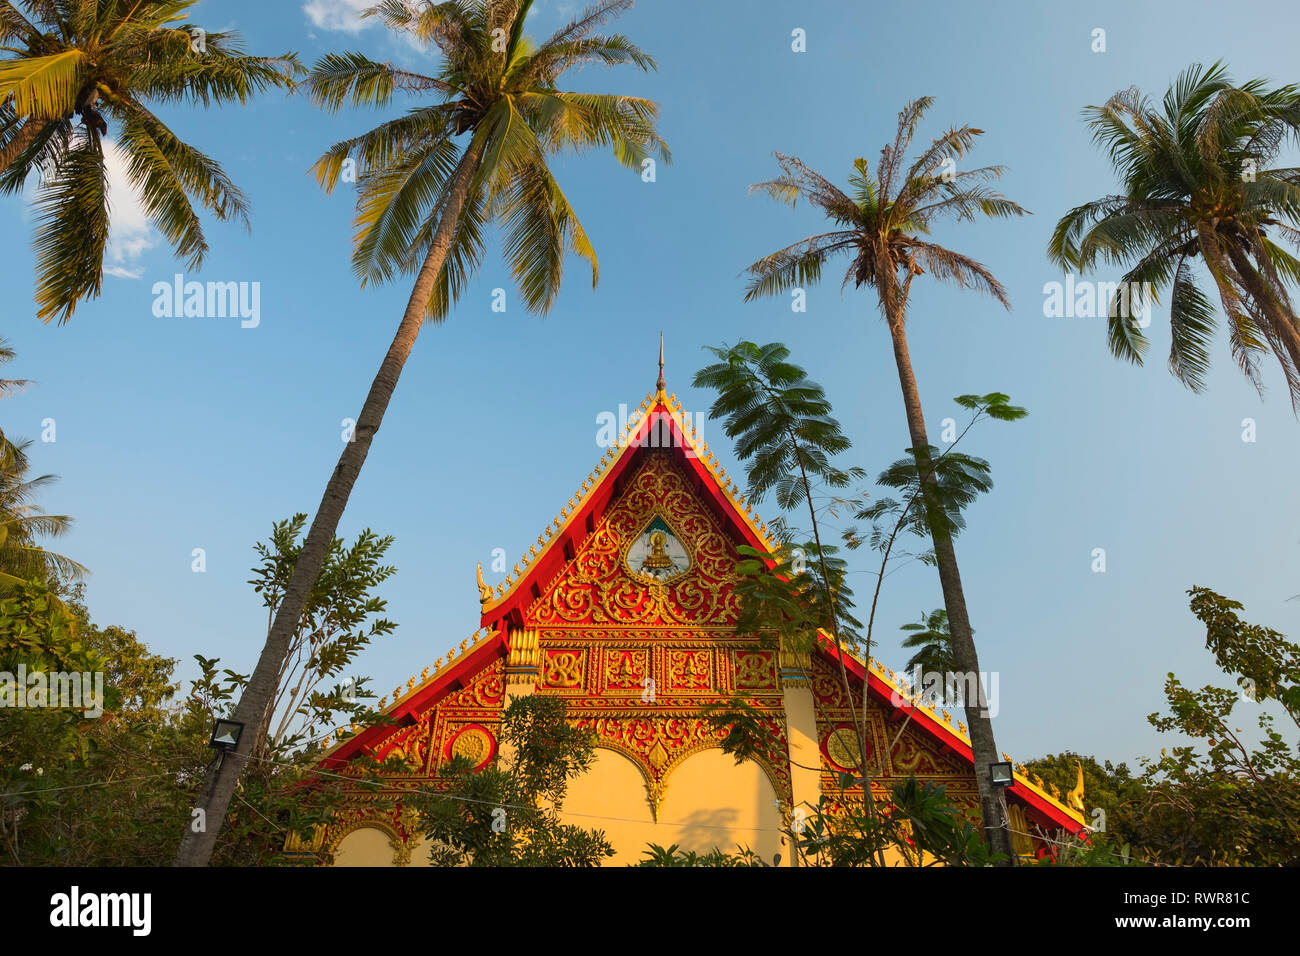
(44, 86)
(71, 232)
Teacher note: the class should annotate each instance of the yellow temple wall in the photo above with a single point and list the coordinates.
(709, 801)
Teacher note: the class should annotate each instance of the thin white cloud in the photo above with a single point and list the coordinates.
(130, 235)
(342, 15)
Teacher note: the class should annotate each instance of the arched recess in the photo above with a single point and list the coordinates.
(709, 800)
(611, 796)
(366, 845)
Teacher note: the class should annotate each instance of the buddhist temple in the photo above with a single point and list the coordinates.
(631, 587)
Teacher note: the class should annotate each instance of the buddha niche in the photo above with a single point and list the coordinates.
(657, 559)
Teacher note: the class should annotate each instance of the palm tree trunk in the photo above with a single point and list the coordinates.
(26, 135)
(983, 746)
(219, 786)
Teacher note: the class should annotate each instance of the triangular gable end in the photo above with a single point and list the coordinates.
(659, 424)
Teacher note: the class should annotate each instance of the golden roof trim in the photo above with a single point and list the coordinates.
(1019, 772)
(415, 685)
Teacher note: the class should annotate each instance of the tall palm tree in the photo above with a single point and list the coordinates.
(431, 182)
(881, 224)
(21, 521)
(102, 61)
(1195, 183)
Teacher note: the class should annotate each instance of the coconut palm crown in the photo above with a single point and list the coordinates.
(102, 61)
(1196, 183)
(496, 104)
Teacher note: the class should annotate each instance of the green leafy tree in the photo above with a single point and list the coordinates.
(114, 790)
(1110, 788)
(958, 480)
(1230, 801)
(37, 629)
(339, 622)
(108, 63)
(1267, 663)
(882, 225)
(507, 815)
(785, 434)
(430, 182)
(1196, 184)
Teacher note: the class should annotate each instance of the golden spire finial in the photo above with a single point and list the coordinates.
(484, 592)
(659, 385)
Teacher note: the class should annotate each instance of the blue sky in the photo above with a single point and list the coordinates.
(175, 433)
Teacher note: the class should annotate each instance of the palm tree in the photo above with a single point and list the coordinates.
(430, 182)
(1195, 184)
(22, 522)
(881, 224)
(10, 386)
(103, 61)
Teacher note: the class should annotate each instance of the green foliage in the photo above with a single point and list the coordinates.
(919, 825)
(781, 421)
(117, 790)
(1267, 664)
(22, 522)
(1232, 803)
(656, 855)
(930, 635)
(338, 622)
(793, 592)
(506, 815)
(37, 629)
(103, 62)
(783, 428)
(1195, 183)
(937, 506)
(506, 105)
(1098, 849)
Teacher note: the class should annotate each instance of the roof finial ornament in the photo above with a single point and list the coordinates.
(659, 385)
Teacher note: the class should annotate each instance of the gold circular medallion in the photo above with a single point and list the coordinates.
(472, 744)
(842, 746)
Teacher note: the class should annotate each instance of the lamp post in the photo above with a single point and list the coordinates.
(1002, 775)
